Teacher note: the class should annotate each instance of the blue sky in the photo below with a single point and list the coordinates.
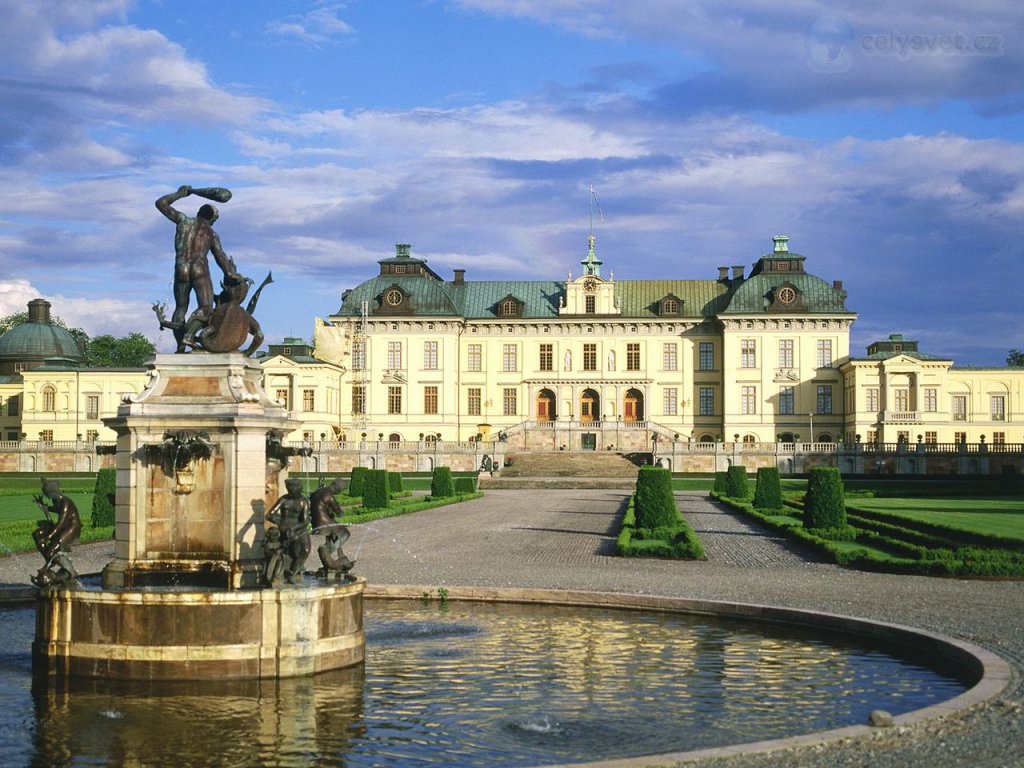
(885, 139)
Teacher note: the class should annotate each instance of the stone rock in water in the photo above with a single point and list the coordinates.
(879, 718)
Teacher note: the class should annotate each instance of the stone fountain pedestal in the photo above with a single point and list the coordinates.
(182, 597)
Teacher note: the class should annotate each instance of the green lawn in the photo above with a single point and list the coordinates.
(1000, 515)
(15, 508)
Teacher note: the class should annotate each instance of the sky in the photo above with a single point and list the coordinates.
(885, 139)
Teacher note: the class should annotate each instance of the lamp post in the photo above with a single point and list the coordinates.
(810, 416)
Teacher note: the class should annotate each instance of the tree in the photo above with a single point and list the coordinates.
(1016, 358)
(131, 351)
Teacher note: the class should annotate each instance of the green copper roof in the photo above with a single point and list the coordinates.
(33, 341)
(754, 294)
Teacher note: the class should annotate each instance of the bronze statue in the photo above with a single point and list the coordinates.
(290, 514)
(54, 538)
(326, 514)
(194, 238)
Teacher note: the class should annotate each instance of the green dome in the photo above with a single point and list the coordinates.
(38, 339)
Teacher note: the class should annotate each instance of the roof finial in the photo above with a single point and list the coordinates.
(592, 264)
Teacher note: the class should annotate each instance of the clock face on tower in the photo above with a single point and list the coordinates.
(590, 285)
(787, 295)
(393, 297)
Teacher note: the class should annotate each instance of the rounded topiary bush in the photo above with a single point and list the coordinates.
(768, 491)
(736, 485)
(825, 501)
(465, 485)
(441, 485)
(655, 504)
(395, 482)
(357, 481)
(103, 498)
(721, 484)
(376, 493)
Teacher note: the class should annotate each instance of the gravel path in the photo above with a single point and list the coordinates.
(563, 539)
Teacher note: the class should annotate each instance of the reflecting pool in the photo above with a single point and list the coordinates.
(473, 684)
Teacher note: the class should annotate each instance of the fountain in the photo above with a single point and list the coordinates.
(200, 463)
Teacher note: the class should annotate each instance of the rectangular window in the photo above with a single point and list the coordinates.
(13, 405)
(394, 355)
(787, 400)
(998, 403)
(394, 400)
(669, 356)
(590, 304)
(547, 357)
(91, 435)
(931, 399)
(824, 400)
(748, 353)
(510, 357)
(824, 353)
(510, 401)
(49, 399)
(359, 355)
(901, 397)
(46, 435)
(308, 436)
(358, 400)
(931, 438)
(281, 395)
(590, 357)
(92, 406)
(872, 437)
(748, 400)
(430, 355)
(706, 356)
(473, 401)
(633, 357)
(430, 400)
(474, 357)
(785, 353)
(669, 401)
(706, 399)
(960, 437)
(308, 400)
(871, 398)
(959, 407)
(998, 438)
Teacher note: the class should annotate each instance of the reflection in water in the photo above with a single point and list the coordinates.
(471, 684)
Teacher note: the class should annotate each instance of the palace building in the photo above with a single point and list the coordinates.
(590, 362)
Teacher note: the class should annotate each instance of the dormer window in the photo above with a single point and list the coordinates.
(510, 306)
(399, 269)
(670, 306)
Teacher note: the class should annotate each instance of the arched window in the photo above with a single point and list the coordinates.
(707, 439)
(509, 308)
(670, 307)
(749, 439)
(49, 399)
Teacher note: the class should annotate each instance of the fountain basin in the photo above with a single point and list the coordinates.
(165, 634)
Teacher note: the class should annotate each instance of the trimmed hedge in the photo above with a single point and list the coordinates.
(103, 498)
(376, 493)
(721, 484)
(768, 491)
(441, 486)
(655, 504)
(825, 502)
(678, 541)
(357, 482)
(736, 484)
(395, 482)
(465, 485)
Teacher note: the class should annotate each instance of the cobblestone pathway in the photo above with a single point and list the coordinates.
(729, 539)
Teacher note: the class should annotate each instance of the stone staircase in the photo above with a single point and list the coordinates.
(564, 469)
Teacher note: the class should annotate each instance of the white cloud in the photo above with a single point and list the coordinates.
(315, 27)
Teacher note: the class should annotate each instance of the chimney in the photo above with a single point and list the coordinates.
(837, 285)
(402, 250)
(39, 311)
(723, 274)
(737, 272)
(781, 243)
(460, 276)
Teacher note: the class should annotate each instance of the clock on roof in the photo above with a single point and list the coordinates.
(590, 285)
(393, 297)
